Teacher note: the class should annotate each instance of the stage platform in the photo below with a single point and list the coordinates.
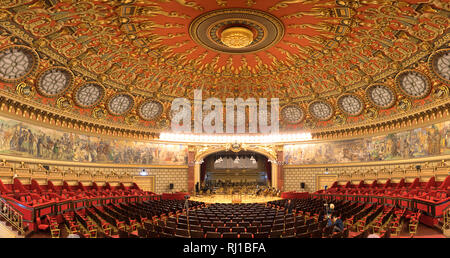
(228, 198)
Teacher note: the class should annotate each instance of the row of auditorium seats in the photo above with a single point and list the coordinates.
(432, 192)
(167, 219)
(41, 195)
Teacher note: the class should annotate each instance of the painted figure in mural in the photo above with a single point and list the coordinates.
(434, 139)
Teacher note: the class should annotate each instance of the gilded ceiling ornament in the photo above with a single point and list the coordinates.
(157, 10)
(222, 3)
(96, 42)
(98, 113)
(150, 25)
(404, 104)
(191, 4)
(340, 119)
(371, 113)
(131, 119)
(25, 90)
(257, 29)
(37, 21)
(321, 26)
(4, 14)
(286, 3)
(441, 92)
(310, 124)
(64, 103)
(250, 3)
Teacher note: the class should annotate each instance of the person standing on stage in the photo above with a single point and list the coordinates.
(197, 188)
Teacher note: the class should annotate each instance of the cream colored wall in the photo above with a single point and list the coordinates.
(165, 176)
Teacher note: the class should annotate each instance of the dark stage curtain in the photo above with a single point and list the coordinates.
(202, 172)
(269, 171)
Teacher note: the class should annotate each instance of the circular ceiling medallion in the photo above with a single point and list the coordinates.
(120, 104)
(440, 64)
(150, 109)
(413, 83)
(54, 81)
(236, 37)
(236, 31)
(380, 96)
(17, 62)
(89, 94)
(292, 114)
(321, 110)
(350, 104)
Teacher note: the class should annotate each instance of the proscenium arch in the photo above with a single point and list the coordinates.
(274, 181)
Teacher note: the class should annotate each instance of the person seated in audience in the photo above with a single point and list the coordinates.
(289, 206)
(338, 224)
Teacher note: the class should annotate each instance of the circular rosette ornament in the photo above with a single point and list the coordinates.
(17, 62)
(64, 103)
(440, 64)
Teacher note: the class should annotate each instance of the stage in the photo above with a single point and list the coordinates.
(228, 198)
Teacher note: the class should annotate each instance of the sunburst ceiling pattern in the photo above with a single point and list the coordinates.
(125, 61)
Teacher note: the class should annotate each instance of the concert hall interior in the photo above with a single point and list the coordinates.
(253, 119)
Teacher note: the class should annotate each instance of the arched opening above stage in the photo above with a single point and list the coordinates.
(236, 168)
(200, 153)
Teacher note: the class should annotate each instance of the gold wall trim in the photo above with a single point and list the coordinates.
(84, 164)
(373, 163)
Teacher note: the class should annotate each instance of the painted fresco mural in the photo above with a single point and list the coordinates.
(26, 140)
(433, 140)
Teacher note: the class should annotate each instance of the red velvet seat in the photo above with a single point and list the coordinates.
(40, 225)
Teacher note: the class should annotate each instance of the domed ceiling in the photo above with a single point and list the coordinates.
(332, 64)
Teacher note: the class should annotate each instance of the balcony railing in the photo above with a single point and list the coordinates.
(14, 217)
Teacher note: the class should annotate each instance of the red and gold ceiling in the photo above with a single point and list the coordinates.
(333, 64)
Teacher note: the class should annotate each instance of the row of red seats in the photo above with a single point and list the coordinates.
(431, 191)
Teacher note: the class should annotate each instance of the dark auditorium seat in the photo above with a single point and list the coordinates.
(197, 234)
(213, 235)
(230, 235)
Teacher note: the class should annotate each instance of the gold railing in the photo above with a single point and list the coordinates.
(446, 226)
(12, 216)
